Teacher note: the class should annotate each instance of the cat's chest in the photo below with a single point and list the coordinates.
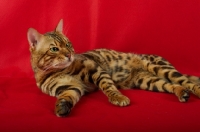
(81, 67)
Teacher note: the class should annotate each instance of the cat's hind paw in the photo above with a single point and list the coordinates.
(119, 100)
(182, 94)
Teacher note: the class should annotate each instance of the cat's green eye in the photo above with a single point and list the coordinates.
(54, 49)
(68, 45)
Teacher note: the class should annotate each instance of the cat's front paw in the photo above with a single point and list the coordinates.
(119, 100)
(63, 107)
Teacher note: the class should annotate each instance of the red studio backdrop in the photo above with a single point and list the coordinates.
(169, 28)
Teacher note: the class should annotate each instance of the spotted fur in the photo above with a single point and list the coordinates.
(68, 76)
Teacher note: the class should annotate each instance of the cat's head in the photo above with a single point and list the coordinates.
(52, 50)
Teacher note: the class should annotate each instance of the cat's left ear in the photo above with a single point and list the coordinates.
(59, 27)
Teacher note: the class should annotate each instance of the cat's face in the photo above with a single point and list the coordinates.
(50, 51)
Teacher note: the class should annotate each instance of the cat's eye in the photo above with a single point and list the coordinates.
(54, 49)
(68, 45)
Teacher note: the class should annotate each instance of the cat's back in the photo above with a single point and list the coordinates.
(118, 64)
(113, 59)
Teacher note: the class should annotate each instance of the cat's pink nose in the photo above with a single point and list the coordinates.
(68, 56)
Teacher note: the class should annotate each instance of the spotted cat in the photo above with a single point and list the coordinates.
(62, 73)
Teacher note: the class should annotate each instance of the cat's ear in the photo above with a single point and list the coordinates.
(59, 27)
(33, 37)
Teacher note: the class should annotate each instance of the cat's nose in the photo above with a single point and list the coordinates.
(68, 56)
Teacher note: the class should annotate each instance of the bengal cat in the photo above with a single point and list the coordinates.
(68, 76)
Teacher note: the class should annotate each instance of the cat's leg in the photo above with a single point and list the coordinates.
(170, 74)
(147, 81)
(106, 84)
(193, 79)
(67, 97)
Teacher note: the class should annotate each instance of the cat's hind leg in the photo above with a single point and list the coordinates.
(193, 79)
(148, 81)
(169, 73)
(166, 71)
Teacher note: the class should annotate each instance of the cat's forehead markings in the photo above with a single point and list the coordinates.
(57, 37)
(50, 40)
(49, 37)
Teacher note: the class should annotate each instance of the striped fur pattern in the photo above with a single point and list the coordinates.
(68, 76)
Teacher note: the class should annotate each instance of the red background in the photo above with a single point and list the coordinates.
(170, 28)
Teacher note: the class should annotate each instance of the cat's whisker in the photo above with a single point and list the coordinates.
(49, 67)
(46, 68)
(66, 29)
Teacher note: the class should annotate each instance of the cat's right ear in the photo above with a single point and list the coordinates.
(59, 27)
(33, 37)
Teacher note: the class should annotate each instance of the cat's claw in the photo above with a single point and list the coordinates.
(119, 100)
